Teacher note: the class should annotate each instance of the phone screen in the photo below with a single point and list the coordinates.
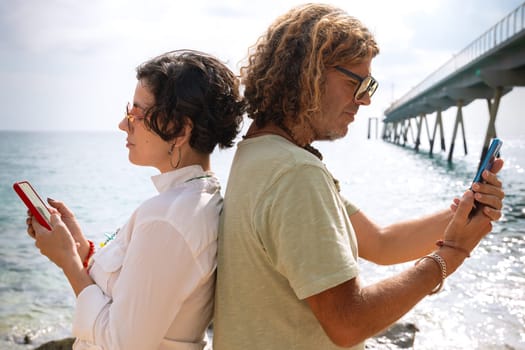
(33, 202)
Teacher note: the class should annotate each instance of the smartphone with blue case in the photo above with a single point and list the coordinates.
(488, 160)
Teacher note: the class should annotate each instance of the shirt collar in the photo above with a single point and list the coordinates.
(166, 181)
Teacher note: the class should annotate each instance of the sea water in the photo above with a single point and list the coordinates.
(481, 307)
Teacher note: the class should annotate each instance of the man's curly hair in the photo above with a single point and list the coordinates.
(284, 75)
(195, 86)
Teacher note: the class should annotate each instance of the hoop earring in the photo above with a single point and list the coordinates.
(170, 152)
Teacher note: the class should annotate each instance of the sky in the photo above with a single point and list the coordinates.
(70, 64)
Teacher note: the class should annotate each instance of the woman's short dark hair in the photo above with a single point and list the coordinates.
(192, 86)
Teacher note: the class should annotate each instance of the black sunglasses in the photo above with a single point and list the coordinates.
(366, 85)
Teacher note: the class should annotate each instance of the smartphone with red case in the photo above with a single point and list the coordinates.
(33, 202)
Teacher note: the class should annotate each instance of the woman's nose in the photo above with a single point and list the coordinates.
(123, 124)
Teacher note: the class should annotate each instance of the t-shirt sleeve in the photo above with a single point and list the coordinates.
(351, 209)
(304, 228)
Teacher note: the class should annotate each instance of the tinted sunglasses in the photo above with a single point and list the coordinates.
(367, 84)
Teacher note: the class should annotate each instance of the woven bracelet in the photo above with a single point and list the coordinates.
(443, 267)
(451, 244)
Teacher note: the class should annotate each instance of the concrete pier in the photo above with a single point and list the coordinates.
(487, 69)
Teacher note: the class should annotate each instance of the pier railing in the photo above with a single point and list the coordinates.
(505, 29)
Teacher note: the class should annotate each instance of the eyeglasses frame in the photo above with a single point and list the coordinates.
(370, 81)
(130, 117)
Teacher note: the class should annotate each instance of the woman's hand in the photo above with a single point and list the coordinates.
(58, 244)
(29, 223)
(69, 220)
(61, 248)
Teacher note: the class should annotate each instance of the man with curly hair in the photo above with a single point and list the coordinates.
(288, 276)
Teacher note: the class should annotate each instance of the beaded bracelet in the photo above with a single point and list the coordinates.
(442, 265)
(451, 244)
(90, 253)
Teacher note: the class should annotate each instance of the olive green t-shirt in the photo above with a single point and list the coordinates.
(285, 235)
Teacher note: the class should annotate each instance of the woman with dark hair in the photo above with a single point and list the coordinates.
(152, 285)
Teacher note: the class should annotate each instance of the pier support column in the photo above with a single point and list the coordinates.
(404, 131)
(412, 129)
(389, 133)
(426, 127)
(396, 132)
(459, 121)
(407, 125)
(493, 112)
(370, 126)
(419, 125)
(439, 123)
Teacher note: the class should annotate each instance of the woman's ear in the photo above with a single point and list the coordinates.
(185, 133)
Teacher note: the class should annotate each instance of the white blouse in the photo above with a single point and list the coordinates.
(155, 281)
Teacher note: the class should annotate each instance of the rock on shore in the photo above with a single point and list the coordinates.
(64, 344)
(399, 336)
